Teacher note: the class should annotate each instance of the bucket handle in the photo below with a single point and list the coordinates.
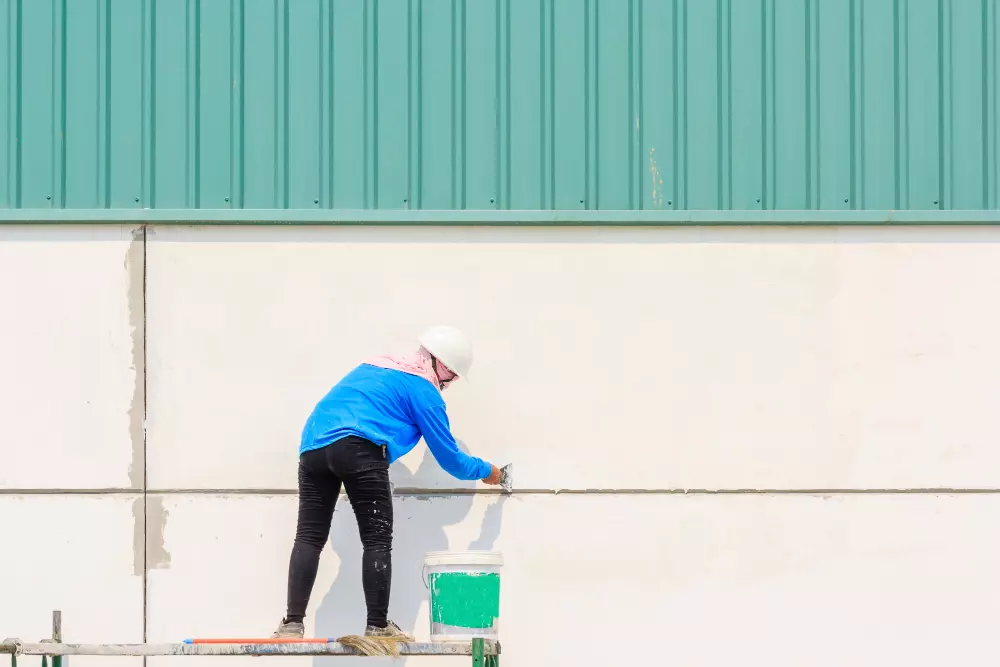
(423, 576)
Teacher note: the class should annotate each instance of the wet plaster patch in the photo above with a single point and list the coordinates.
(157, 556)
(145, 515)
(139, 537)
(135, 272)
(149, 551)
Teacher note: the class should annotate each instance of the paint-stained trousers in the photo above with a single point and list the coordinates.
(361, 468)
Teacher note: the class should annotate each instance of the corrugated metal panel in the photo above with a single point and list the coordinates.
(508, 104)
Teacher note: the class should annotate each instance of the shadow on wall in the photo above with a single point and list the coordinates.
(419, 527)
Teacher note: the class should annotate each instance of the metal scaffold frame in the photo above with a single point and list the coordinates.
(484, 653)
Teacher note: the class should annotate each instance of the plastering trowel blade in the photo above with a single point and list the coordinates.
(505, 478)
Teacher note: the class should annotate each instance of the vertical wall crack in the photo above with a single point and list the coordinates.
(145, 468)
(135, 269)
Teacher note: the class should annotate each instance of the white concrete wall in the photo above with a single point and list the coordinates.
(71, 434)
(71, 381)
(719, 358)
(838, 373)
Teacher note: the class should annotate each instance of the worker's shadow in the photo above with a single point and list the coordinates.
(419, 527)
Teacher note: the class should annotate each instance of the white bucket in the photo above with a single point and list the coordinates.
(464, 589)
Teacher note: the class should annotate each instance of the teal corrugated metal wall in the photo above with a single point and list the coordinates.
(506, 104)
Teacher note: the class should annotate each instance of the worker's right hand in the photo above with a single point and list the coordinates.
(494, 477)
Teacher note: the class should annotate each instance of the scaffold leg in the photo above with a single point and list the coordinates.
(479, 657)
(57, 660)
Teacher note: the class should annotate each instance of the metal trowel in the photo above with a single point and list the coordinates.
(505, 478)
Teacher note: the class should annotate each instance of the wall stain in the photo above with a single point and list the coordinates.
(656, 179)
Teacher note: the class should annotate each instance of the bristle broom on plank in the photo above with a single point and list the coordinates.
(386, 646)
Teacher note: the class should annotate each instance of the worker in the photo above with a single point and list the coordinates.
(374, 415)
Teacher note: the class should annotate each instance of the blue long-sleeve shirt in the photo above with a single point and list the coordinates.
(391, 408)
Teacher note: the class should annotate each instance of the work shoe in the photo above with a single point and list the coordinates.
(390, 631)
(289, 630)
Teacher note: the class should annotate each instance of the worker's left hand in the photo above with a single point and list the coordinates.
(494, 477)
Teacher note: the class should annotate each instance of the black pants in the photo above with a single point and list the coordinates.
(362, 468)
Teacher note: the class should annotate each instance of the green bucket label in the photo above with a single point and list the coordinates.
(465, 599)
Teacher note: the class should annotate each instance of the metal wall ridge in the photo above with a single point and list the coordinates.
(662, 105)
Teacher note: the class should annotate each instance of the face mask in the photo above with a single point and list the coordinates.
(442, 384)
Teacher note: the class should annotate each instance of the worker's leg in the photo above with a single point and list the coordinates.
(371, 498)
(318, 491)
(365, 471)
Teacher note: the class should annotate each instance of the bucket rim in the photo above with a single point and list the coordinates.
(470, 558)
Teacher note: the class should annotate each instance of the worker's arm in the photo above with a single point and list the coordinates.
(431, 418)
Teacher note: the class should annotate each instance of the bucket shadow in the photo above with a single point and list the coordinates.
(419, 527)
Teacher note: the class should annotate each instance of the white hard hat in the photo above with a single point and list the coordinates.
(450, 346)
